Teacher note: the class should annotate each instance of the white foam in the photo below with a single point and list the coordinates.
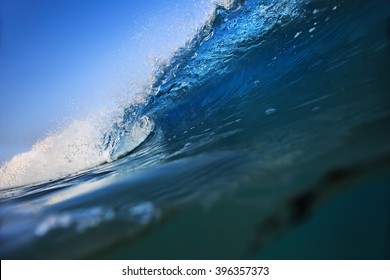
(75, 148)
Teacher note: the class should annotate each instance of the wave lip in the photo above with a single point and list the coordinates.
(232, 31)
(131, 139)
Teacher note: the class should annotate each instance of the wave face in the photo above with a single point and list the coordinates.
(262, 104)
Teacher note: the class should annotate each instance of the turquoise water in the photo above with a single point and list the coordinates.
(266, 136)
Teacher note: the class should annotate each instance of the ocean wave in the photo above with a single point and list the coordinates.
(226, 40)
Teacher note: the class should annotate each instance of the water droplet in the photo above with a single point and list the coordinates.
(270, 111)
(297, 35)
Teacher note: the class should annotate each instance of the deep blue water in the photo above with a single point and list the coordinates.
(265, 136)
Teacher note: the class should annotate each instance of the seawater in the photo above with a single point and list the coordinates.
(265, 136)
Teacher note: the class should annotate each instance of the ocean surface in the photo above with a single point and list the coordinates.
(266, 136)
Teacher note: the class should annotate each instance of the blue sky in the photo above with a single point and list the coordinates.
(60, 59)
